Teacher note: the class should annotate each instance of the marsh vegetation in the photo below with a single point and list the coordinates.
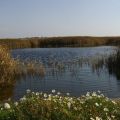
(49, 42)
(74, 70)
(12, 69)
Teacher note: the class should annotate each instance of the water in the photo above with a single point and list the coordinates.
(68, 70)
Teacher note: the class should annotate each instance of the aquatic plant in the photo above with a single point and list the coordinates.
(7, 66)
(54, 106)
(11, 68)
(113, 64)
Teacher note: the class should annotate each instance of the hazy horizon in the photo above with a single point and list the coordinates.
(49, 18)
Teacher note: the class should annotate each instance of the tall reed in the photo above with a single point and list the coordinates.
(11, 68)
(70, 41)
(7, 66)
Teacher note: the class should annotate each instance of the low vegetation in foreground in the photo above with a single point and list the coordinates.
(55, 106)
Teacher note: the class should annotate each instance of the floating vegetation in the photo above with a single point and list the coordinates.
(56, 106)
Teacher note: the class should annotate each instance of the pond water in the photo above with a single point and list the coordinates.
(70, 70)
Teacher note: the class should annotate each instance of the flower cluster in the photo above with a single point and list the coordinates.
(54, 106)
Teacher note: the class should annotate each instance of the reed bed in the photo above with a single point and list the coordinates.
(11, 69)
(31, 67)
(76, 41)
(7, 66)
(113, 64)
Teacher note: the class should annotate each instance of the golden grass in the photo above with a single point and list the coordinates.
(76, 41)
(7, 66)
(10, 69)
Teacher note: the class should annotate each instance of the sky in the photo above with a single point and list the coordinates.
(43, 18)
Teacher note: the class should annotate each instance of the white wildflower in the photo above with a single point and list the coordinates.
(89, 97)
(67, 94)
(108, 118)
(97, 104)
(41, 93)
(69, 105)
(99, 91)
(102, 95)
(16, 103)
(98, 118)
(75, 108)
(53, 91)
(45, 95)
(49, 97)
(107, 99)
(33, 92)
(88, 94)
(94, 94)
(99, 96)
(58, 93)
(113, 116)
(82, 102)
(56, 96)
(23, 99)
(37, 93)
(101, 104)
(6, 106)
(28, 91)
(114, 102)
(92, 118)
(105, 109)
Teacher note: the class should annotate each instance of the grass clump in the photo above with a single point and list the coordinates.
(11, 69)
(42, 106)
(7, 66)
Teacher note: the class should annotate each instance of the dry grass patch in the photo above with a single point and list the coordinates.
(7, 66)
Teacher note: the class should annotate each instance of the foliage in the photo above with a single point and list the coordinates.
(55, 106)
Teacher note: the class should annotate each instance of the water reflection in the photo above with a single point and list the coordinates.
(111, 63)
(74, 70)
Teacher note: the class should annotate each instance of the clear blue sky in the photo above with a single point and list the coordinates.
(26, 18)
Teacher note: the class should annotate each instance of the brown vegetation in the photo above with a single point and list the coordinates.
(37, 42)
(11, 69)
(7, 66)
